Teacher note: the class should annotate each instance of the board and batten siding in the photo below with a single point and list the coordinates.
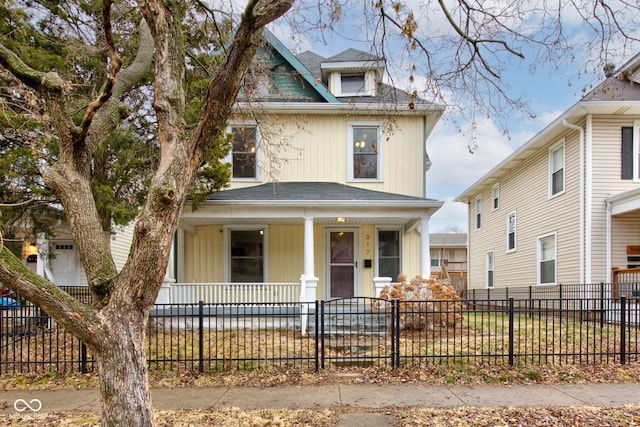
(313, 147)
(606, 142)
(525, 191)
(203, 254)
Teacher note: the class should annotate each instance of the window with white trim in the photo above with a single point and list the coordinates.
(352, 83)
(495, 196)
(247, 258)
(630, 152)
(556, 169)
(490, 270)
(511, 232)
(478, 212)
(364, 151)
(547, 257)
(389, 254)
(245, 152)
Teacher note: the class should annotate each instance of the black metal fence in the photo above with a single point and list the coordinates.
(589, 329)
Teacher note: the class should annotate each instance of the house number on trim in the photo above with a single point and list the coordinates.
(367, 243)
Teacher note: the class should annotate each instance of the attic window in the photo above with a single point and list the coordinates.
(352, 83)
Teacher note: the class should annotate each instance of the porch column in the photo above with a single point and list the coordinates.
(425, 250)
(310, 281)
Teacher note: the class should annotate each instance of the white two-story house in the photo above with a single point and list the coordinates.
(564, 208)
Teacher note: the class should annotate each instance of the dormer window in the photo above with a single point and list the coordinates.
(343, 83)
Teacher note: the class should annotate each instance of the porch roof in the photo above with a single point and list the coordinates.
(624, 202)
(291, 202)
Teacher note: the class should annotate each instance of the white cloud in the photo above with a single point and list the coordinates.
(455, 168)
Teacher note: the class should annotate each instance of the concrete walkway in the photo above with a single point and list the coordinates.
(376, 397)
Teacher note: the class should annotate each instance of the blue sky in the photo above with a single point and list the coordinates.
(548, 93)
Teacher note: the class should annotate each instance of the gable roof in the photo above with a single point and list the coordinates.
(617, 94)
(298, 66)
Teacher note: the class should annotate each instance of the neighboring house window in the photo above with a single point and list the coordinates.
(439, 258)
(435, 259)
(556, 169)
(547, 259)
(245, 152)
(490, 269)
(389, 261)
(365, 152)
(630, 152)
(511, 232)
(496, 196)
(478, 213)
(247, 256)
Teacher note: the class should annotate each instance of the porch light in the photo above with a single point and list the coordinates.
(341, 220)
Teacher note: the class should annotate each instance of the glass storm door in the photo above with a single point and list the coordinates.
(342, 263)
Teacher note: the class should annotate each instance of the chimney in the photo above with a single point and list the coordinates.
(609, 69)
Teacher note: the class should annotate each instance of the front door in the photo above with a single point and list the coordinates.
(342, 263)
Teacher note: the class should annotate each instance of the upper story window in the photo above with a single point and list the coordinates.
(350, 83)
(478, 213)
(630, 152)
(364, 151)
(495, 196)
(245, 152)
(511, 232)
(556, 169)
(547, 259)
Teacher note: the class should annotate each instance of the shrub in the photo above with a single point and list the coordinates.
(424, 303)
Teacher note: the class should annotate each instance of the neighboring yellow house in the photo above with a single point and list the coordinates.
(565, 207)
(328, 187)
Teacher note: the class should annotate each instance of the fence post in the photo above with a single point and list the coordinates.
(511, 331)
(321, 320)
(602, 310)
(560, 305)
(83, 358)
(623, 330)
(201, 336)
(530, 301)
(316, 313)
(395, 315)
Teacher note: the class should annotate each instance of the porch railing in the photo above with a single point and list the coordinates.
(625, 282)
(234, 293)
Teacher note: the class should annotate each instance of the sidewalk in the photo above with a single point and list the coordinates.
(358, 396)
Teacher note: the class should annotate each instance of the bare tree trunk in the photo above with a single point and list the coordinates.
(122, 367)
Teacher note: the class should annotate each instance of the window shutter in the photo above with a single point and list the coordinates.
(626, 153)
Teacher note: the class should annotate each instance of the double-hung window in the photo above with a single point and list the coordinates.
(364, 151)
(511, 232)
(490, 269)
(389, 261)
(495, 196)
(556, 169)
(245, 152)
(478, 213)
(547, 265)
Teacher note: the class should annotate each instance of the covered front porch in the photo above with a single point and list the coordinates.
(309, 240)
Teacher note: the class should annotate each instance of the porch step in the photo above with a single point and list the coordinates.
(351, 321)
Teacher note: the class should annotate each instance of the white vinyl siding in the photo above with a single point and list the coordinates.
(525, 190)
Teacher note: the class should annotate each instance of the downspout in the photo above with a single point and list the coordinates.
(589, 196)
(582, 200)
